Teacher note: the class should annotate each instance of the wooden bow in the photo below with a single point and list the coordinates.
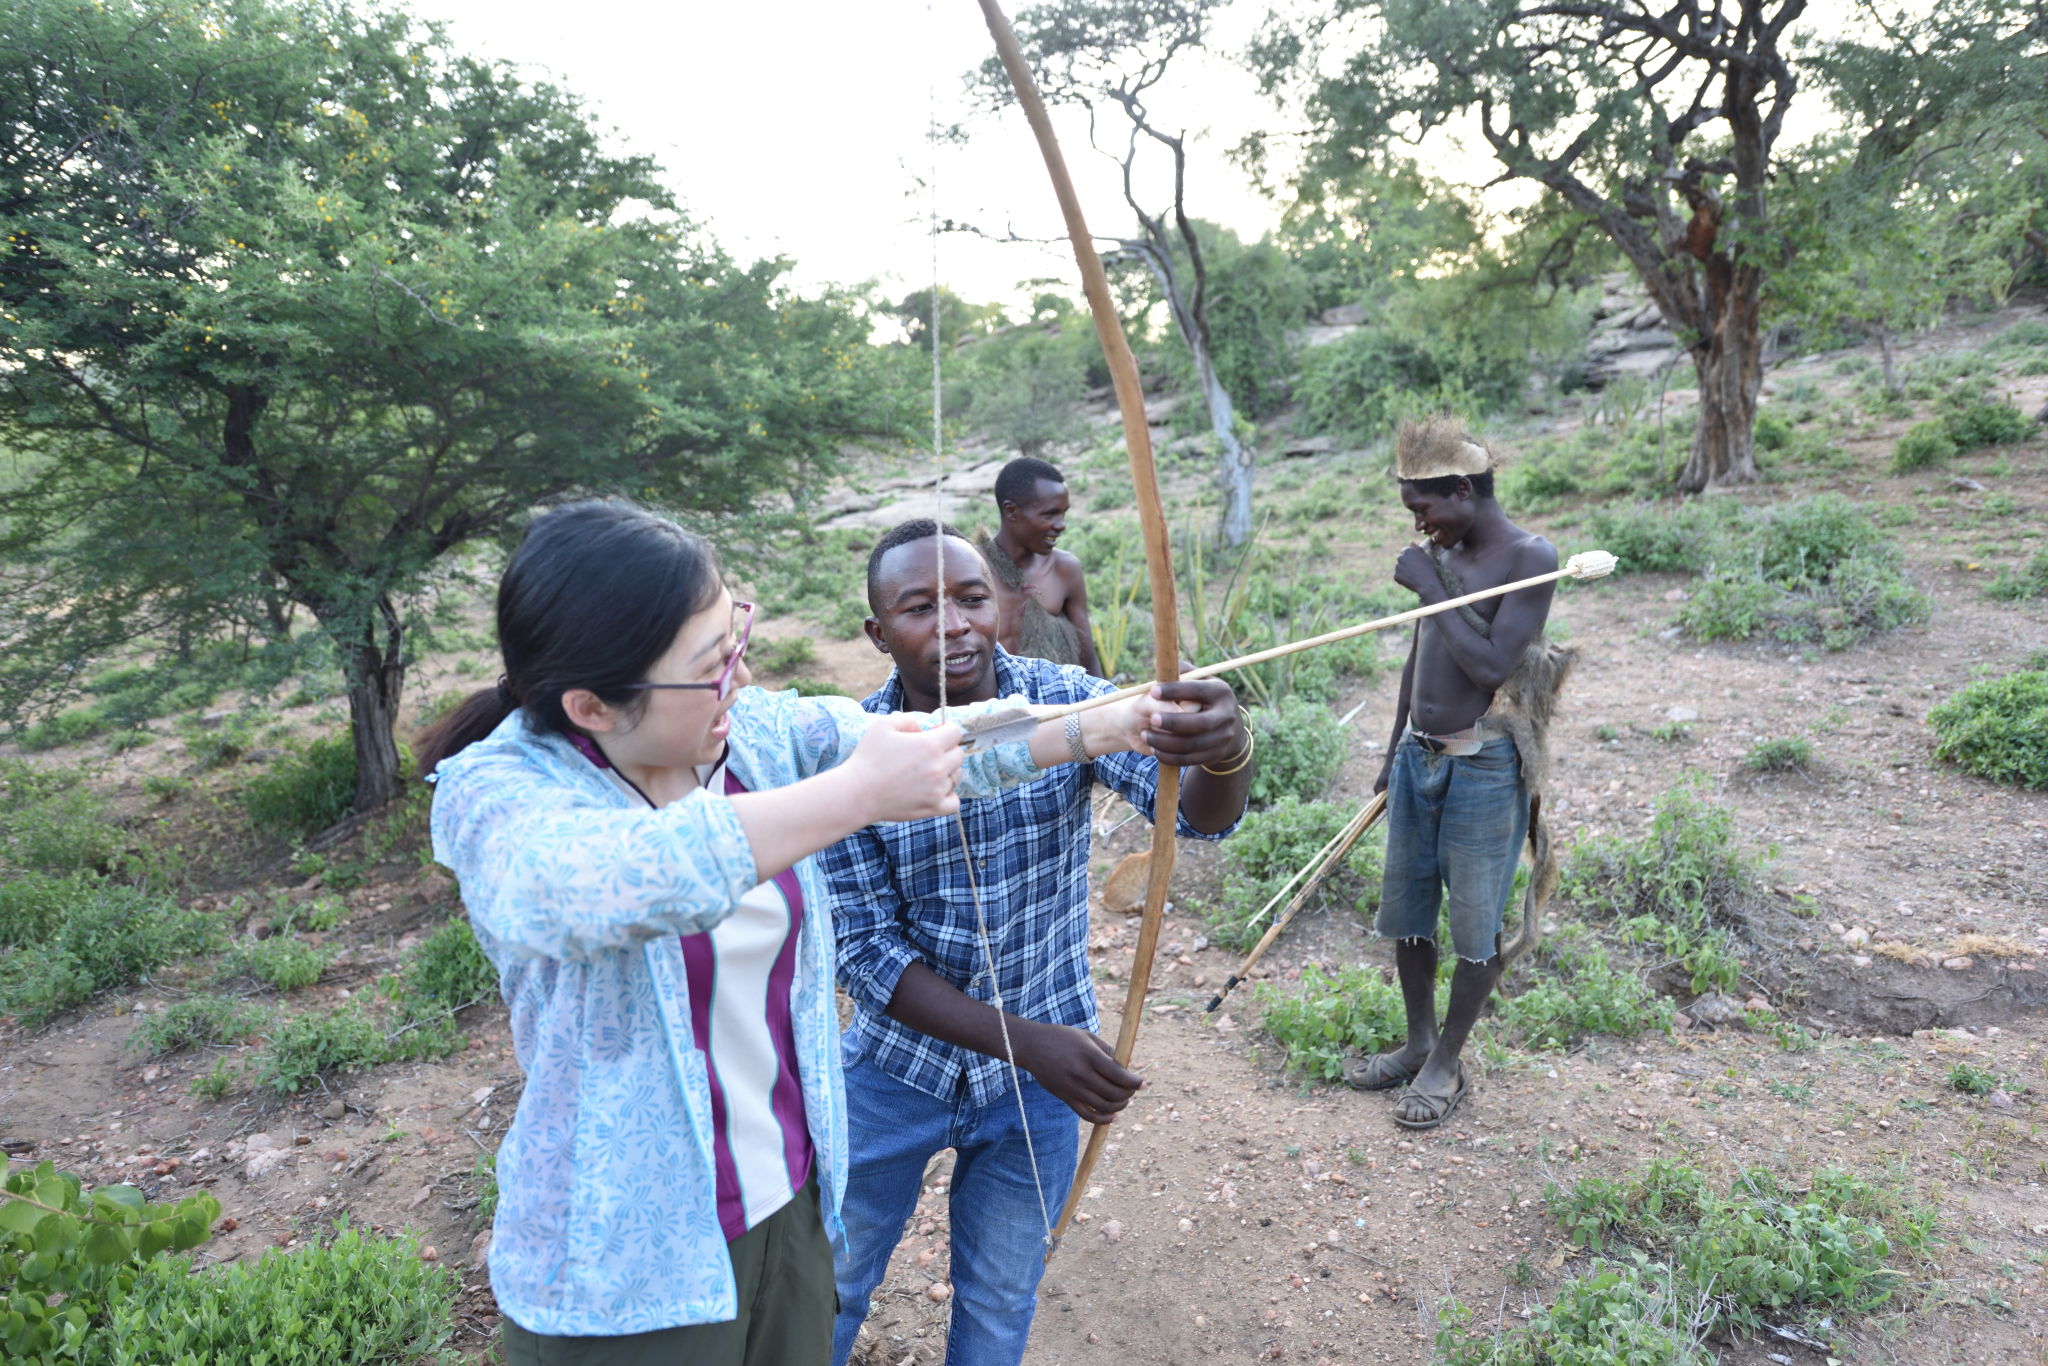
(1130, 401)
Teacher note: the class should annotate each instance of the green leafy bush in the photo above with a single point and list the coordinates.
(366, 1301)
(2030, 582)
(1921, 446)
(221, 742)
(33, 906)
(1301, 747)
(1997, 728)
(821, 575)
(1357, 1011)
(1978, 423)
(307, 790)
(1631, 461)
(1587, 994)
(1811, 569)
(1633, 1313)
(1651, 539)
(1019, 388)
(50, 822)
(65, 728)
(317, 1043)
(782, 656)
(108, 934)
(1731, 1263)
(203, 1019)
(283, 961)
(1270, 847)
(68, 1258)
(1780, 754)
(1686, 871)
(445, 973)
(1361, 387)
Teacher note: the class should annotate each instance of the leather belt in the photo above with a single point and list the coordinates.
(1459, 744)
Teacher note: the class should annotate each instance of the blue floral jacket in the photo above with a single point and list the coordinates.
(607, 1217)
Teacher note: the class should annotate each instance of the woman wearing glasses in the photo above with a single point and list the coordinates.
(632, 826)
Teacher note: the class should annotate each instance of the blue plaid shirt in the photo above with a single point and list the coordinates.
(900, 895)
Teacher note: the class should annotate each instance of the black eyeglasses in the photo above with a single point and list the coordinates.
(743, 627)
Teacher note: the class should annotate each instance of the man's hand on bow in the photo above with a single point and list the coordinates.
(1078, 1067)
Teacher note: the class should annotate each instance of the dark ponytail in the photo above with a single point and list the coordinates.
(594, 595)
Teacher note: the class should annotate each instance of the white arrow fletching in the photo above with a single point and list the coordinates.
(1005, 726)
(1591, 564)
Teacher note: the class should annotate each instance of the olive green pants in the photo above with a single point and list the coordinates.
(786, 1298)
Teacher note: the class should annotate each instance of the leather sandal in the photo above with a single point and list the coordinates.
(1377, 1072)
(1440, 1108)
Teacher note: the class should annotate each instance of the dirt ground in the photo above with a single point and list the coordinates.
(1240, 1214)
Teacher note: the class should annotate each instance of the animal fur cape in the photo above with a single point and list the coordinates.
(1523, 708)
(1041, 635)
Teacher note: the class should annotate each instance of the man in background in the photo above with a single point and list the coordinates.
(1040, 591)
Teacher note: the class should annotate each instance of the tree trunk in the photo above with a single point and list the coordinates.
(376, 681)
(1891, 368)
(1729, 362)
(1234, 473)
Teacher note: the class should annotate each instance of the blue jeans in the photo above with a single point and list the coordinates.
(1453, 825)
(998, 1226)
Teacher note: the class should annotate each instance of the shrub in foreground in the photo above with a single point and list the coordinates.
(364, 1301)
(67, 1257)
(1997, 729)
(1693, 1262)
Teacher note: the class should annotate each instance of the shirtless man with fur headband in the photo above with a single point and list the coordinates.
(1467, 752)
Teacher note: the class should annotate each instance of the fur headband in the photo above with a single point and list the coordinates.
(1436, 448)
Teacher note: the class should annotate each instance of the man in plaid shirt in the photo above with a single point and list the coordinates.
(926, 1064)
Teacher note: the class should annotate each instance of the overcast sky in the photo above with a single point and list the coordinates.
(800, 128)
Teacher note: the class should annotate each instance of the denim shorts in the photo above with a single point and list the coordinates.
(1454, 824)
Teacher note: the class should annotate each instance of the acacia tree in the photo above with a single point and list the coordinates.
(1094, 54)
(1656, 124)
(294, 301)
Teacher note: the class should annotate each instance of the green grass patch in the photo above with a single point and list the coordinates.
(318, 1043)
(1814, 569)
(207, 1018)
(51, 822)
(1692, 1262)
(1997, 728)
(356, 1299)
(2030, 581)
(283, 961)
(1584, 993)
(1972, 1080)
(308, 790)
(446, 972)
(107, 935)
(1779, 754)
(1356, 1011)
(1301, 747)
(1269, 847)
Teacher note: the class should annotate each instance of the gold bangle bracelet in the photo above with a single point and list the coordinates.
(1240, 759)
